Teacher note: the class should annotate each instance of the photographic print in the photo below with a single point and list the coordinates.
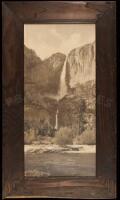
(59, 100)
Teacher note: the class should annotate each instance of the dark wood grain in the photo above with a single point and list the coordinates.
(83, 11)
(13, 87)
(106, 94)
(15, 15)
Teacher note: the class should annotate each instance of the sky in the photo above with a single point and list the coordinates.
(47, 39)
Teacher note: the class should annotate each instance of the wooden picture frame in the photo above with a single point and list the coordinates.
(14, 16)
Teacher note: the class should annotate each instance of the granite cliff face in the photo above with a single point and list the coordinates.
(59, 72)
(45, 75)
(81, 65)
(64, 78)
(31, 60)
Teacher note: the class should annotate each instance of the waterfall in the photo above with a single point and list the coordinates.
(63, 87)
(56, 120)
(62, 90)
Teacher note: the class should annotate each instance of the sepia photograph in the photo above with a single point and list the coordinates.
(59, 100)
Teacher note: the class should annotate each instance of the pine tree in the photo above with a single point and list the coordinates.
(82, 121)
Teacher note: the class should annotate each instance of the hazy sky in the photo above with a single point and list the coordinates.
(51, 38)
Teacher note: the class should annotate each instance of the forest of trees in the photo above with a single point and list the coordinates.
(73, 119)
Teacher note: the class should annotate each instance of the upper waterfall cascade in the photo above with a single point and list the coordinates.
(63, 86)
